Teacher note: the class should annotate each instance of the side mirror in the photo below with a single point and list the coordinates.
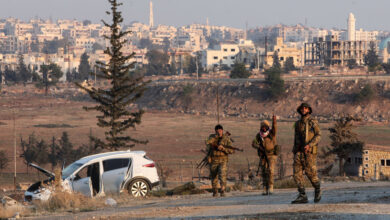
(72, 177)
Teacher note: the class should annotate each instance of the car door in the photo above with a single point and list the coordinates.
(114, 171)
(82, 182)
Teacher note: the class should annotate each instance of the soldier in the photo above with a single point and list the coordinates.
(307, 137)
(218, 147)
(265, 143)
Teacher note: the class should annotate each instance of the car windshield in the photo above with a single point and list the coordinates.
(70, 169)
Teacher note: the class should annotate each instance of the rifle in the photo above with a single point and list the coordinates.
(205, 161)
(262, 154)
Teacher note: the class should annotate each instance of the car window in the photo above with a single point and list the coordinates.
(70, 169)
(90, 170)
(113, 164)
(82, 173)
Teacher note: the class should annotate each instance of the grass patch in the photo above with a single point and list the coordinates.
(65, 201)
(6, 213)
(53, 126)
(289, 183)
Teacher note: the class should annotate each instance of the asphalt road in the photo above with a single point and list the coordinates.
(342, 200)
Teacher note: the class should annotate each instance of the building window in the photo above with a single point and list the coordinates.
(215, 58)
(281, 58)
(387, 162)
(349, 160)
(232, 58)
(366, 171)
(382, 162)
(366, 158)
(366, 165)
(366, 152)
(225, 58)
(233, 50)
(225, 50)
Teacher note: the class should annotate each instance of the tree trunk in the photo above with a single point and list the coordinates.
(341, 167)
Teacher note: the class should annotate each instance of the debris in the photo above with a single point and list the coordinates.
(17, 215)
(111, 202)
(9, 202)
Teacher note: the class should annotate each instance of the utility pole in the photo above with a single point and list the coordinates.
(197, 66)
(217, 104)
(14, 147)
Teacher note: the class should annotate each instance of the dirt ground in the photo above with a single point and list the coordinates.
(175, 140)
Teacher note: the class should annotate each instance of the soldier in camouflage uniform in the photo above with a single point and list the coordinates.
(265, 144)
(307, 137)
(218, 158)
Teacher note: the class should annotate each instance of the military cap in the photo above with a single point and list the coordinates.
(304, 105)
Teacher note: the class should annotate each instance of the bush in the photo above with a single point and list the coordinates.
(365, 94)
(53, 126)
(239, 71)
(275, 82)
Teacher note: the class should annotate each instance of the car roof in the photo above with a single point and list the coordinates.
(111, 154)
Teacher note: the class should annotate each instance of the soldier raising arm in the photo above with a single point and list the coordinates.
(265, 144)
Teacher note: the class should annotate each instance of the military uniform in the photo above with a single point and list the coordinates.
(307, 132)
(266, 149)
(218, 160)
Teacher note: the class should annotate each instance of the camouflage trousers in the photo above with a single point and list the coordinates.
(308, 164)
(267, 170)
(218, 170)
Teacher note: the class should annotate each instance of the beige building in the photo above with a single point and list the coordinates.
(284, 52)
(373, 162)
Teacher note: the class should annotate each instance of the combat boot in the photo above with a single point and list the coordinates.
(317, 193)
(222, 192)
(265, 191)
(302, 197)
(271, 189)
(215, 193)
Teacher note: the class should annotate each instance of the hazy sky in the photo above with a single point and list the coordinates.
(370, 14)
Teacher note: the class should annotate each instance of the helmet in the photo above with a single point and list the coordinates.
(304, 105)
(264, 123)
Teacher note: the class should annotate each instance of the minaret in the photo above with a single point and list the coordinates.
(351, 27)
(151, 19)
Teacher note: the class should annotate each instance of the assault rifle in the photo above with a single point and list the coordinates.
(205, 160)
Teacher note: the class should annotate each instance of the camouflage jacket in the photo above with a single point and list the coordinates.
(266, 144)
(307, 132)
(212, 144)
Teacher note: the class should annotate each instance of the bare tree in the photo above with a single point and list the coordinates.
(343, 141)
(4, 160)
(164, 172)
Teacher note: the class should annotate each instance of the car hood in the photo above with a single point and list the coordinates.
(47, 173)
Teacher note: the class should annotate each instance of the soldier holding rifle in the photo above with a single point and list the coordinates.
(265, 144)
(219, 146)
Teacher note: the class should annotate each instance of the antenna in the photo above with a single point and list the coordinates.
(217, 104)
(151, 17)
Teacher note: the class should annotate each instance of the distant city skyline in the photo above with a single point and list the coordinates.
(370, 15)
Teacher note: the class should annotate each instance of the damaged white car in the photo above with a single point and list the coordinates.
(99, 174)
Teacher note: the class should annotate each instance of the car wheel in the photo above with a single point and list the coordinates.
(138, 188)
